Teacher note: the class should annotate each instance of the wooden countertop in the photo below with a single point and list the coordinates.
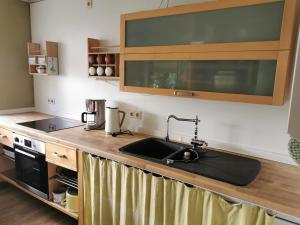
(277, 186)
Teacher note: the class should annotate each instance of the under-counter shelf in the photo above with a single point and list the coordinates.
(10, 177)
(67, 181)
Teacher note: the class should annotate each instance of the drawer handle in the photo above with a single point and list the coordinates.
(2, 136)
(183, 93)
(59, 155)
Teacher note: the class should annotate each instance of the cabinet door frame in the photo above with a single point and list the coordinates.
(281, 78)
(286, 37)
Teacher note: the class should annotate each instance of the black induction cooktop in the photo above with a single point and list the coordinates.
(53, 124)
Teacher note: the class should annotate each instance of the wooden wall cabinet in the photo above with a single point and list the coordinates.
(223, 50)
(39, 59)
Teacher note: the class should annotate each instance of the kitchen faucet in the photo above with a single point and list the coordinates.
(195, 142)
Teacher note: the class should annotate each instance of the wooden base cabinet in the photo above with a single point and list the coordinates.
(223, 50)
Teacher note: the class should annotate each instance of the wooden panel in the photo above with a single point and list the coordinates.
(245, 46)
(61, 156)
(289, 24)
(282, 77)
(52, 183)
(247, 55)
(33, 49)
(198, 7)
(122, 33)
(80, 189)
(93, 43)
(203, 95)
(51, 49)
(6, 137)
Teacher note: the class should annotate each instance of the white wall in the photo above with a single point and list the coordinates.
(253, 129)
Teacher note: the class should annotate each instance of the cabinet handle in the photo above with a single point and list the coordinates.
(183, 93)
(2, 136)
(59, 155)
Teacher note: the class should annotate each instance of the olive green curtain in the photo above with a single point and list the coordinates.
(119, 195)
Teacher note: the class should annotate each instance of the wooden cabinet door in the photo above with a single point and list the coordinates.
(212, 26)
(62, 156)
(254, 77)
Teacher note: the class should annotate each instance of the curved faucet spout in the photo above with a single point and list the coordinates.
(196, 121)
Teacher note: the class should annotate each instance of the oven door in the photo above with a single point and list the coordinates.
(32, 171)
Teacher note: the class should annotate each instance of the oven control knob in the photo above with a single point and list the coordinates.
(17, 139)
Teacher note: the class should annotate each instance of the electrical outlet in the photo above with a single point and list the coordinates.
(89, 3)
(51, 101)
(135, 115)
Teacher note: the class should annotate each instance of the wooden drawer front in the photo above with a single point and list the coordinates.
(61, 156)
(6, 137)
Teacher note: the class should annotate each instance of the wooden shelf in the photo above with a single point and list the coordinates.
(36, 55)
(39, 74)
(38, 64)
(105, 77)
(102, 53)
(94, 49)
(50, 54)
(52, 204)
(105, 47)
(104, 65)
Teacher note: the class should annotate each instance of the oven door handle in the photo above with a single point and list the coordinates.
(25, 153)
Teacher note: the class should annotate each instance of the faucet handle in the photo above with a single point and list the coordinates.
(198, 144)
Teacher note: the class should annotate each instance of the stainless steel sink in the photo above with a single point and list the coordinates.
(230, 168)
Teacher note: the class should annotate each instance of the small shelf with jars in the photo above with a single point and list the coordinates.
(45, 62)
(103, 60)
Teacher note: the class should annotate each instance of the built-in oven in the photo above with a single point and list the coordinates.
(31, 166)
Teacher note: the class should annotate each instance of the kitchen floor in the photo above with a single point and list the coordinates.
(18, 208)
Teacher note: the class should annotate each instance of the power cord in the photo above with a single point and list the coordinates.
(122, 132)
(161, 3)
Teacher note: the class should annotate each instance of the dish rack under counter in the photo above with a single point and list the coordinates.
(62, 177)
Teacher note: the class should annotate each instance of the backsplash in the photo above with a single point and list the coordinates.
(246, 128)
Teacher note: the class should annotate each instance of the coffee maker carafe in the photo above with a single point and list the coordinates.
(94, 117)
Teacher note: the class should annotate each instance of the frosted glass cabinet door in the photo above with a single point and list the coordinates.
(241, 24)
(249, 77)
